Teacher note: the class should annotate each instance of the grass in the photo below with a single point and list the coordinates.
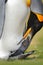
(34, 59)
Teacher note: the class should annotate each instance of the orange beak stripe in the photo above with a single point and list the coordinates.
(27, 33)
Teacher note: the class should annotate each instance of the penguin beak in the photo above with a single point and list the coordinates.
(28, 3)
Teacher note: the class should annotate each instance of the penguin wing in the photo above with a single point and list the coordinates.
(2, 15)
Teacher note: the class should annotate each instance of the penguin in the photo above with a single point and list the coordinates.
(35, 22)
(13, 26)
(13, 16)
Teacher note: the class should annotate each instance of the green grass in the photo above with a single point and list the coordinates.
(34, 59)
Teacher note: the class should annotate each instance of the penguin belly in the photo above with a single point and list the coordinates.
(15, 14)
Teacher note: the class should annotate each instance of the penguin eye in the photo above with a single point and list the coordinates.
(5, 1)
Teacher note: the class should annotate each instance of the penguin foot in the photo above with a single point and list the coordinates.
(21, 56)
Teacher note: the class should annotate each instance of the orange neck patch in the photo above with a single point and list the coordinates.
(28, 3)
(40, 17)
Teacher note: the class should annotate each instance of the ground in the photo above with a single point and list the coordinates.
(34, 59)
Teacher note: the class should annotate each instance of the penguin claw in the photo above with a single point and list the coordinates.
(22, 56)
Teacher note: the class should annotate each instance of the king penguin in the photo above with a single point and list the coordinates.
(16, 14)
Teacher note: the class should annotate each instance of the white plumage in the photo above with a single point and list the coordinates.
(16, 12)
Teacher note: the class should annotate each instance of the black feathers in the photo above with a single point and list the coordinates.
(5, 1)
(34, 23)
